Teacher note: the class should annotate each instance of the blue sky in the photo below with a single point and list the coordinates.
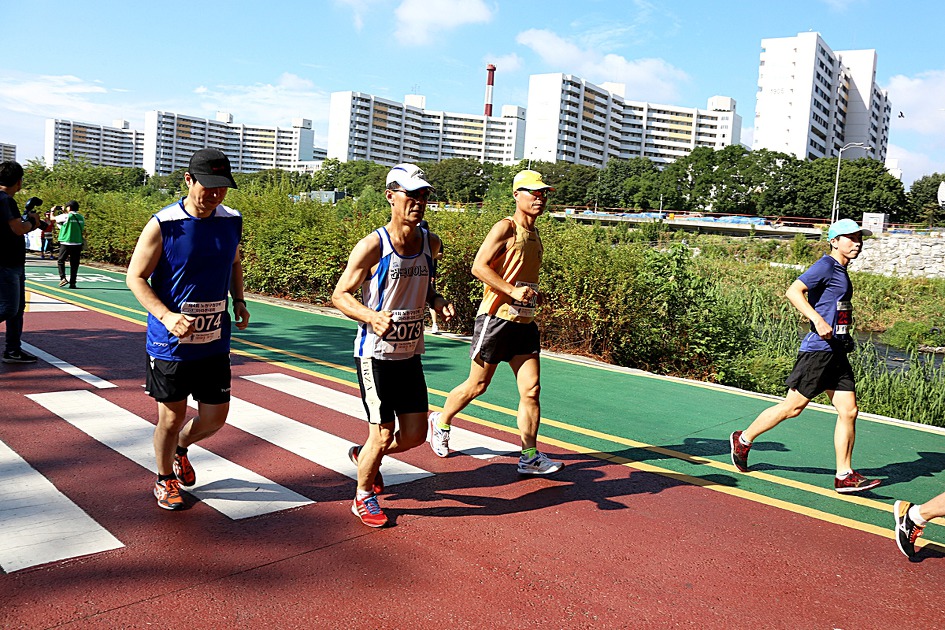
(269, 62)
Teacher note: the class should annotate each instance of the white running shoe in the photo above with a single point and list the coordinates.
(439, 438)
(538, 465)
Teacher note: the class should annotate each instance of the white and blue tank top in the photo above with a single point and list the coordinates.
(399, 285)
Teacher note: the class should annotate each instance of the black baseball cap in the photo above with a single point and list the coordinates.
(211, 169)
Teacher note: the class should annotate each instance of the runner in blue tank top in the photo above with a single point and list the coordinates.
(185, 264)
(823, 294)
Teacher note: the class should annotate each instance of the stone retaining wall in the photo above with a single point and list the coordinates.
(903, 255)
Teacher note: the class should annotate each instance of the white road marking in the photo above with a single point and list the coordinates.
(228, 488)
(39, 524)
(68, 368)
(467, 442)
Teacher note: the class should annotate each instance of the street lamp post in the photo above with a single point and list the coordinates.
(835, 209)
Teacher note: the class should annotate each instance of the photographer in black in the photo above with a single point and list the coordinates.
(13, 226)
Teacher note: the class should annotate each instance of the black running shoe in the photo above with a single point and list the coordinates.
(906, 530)
(18, 356)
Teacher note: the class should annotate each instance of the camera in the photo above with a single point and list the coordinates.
(33, 202)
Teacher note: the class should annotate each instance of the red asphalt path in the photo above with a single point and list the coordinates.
(598, 545)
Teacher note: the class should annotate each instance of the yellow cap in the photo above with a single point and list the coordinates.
(529, 180)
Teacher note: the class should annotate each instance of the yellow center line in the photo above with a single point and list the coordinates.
(636, 464)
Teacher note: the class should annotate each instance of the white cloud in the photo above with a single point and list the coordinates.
(504, 63)
(419, 20)
(267, 103)
(652, 80)
(921, 99)
(914, 164)
(360, 8)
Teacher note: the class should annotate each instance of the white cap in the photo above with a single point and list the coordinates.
(409, 176)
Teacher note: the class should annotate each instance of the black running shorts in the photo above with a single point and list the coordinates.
(207, 380)
(496, 340)
(392, 388)
(816, 372)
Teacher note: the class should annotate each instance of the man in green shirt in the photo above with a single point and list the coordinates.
(71, 225)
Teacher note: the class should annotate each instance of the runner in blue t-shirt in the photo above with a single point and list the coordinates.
(185, 264)
(823, 294)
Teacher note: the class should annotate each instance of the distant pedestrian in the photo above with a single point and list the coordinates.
(823, 294)
(393, 268)
(47, 235)
(71, 241)
(508, 263)
(911, 520)
(185, 263)
(13, 226)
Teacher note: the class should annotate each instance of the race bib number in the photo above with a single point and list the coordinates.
(524, 309)
(844, 317)
(208, 320)
(406, 329)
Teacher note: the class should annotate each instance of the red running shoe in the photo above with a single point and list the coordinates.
(184, 471)
(739, 452)
(369, 511)
(168, 494)
(854, 482)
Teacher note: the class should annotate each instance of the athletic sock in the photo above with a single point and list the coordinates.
(528, 453)
(844, 475)
(166, 477)
(181, 450)
(916, 517)
(363, 494)
(744, 442)
(442, 426)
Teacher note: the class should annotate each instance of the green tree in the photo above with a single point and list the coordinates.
(923, 201)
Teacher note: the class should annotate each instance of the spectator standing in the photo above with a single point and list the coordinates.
(13, 226)
(71, 240)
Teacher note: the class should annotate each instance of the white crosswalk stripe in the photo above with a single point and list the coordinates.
(39, 524)
(225, 486)
(467, 442)
(320, 447)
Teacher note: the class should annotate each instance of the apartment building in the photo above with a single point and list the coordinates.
(813, 101)
(117, 145)
(7, 152)
(366, 127)
(170, 139)
(573, 120)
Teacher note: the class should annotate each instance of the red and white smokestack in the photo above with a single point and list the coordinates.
(490, 81)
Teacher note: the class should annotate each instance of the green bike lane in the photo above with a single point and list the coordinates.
(667, 426)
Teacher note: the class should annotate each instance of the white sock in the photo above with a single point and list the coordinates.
(741, 438)
(916, 517)
(844, 475)
(363, 494)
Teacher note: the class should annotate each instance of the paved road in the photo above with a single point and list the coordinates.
(648, 524)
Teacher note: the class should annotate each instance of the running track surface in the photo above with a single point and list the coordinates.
(648, 524)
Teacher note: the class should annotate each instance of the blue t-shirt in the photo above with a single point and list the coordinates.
(830, 292)
(193, 277)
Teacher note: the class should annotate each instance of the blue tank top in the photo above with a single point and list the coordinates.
(193, 277)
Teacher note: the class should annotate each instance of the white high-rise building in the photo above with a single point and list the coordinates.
(170, 140)
(366, 127)
(99, 145)
(7, 152)
(812, 101)
(573, 120)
